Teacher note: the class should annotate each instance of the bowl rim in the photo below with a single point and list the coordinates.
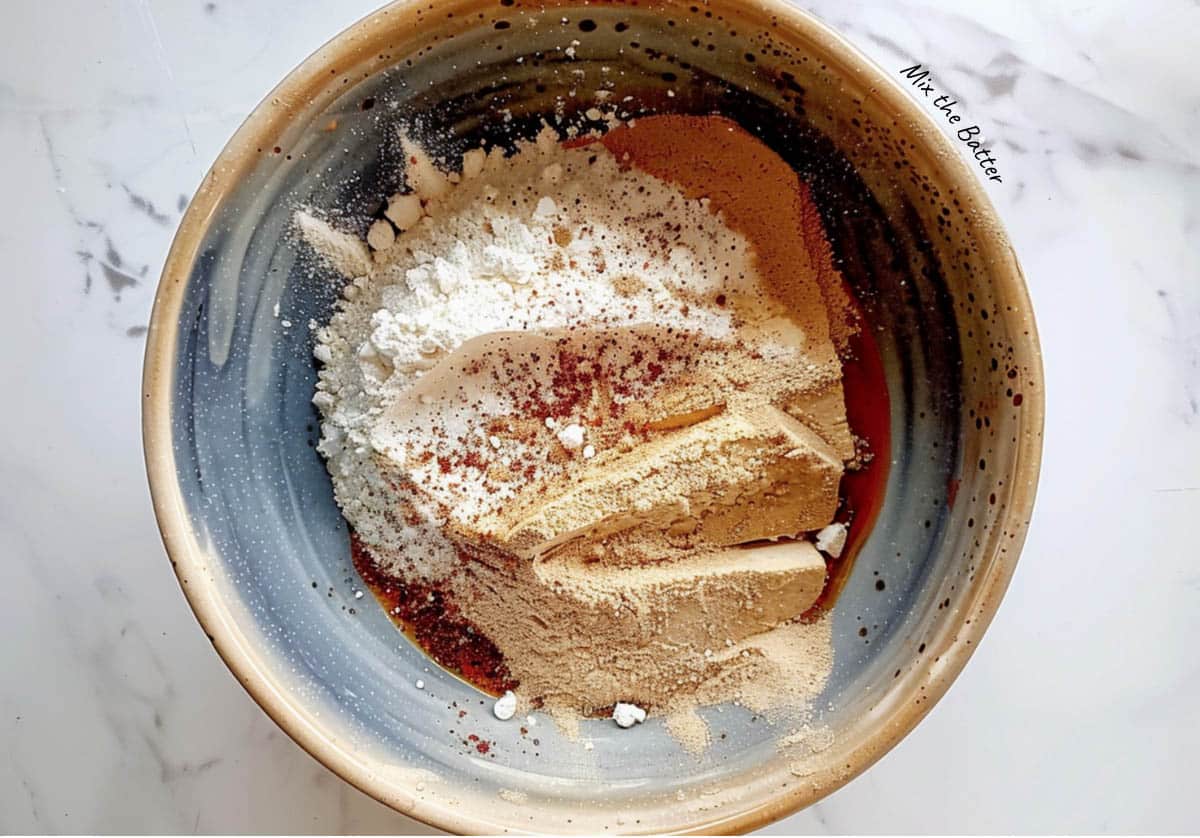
(189, 561)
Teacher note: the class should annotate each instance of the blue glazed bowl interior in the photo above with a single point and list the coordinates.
(256, 494)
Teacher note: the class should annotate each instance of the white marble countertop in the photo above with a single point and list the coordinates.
(1081, 711)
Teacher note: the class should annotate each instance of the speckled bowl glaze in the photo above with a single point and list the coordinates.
(245, 504)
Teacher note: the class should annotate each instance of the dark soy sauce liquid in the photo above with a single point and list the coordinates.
(868, 412)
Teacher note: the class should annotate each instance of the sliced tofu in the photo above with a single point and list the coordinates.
(729, 479)
(743, 590)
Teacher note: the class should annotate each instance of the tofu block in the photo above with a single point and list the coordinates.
(729, 479)
(741, 590)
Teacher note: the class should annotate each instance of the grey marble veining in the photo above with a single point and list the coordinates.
(1080, 710)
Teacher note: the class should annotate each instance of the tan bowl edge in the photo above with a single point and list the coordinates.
(190, 563)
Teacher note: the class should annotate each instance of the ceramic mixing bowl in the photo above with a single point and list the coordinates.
(246, 507)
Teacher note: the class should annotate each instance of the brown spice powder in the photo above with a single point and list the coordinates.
(759, 195)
